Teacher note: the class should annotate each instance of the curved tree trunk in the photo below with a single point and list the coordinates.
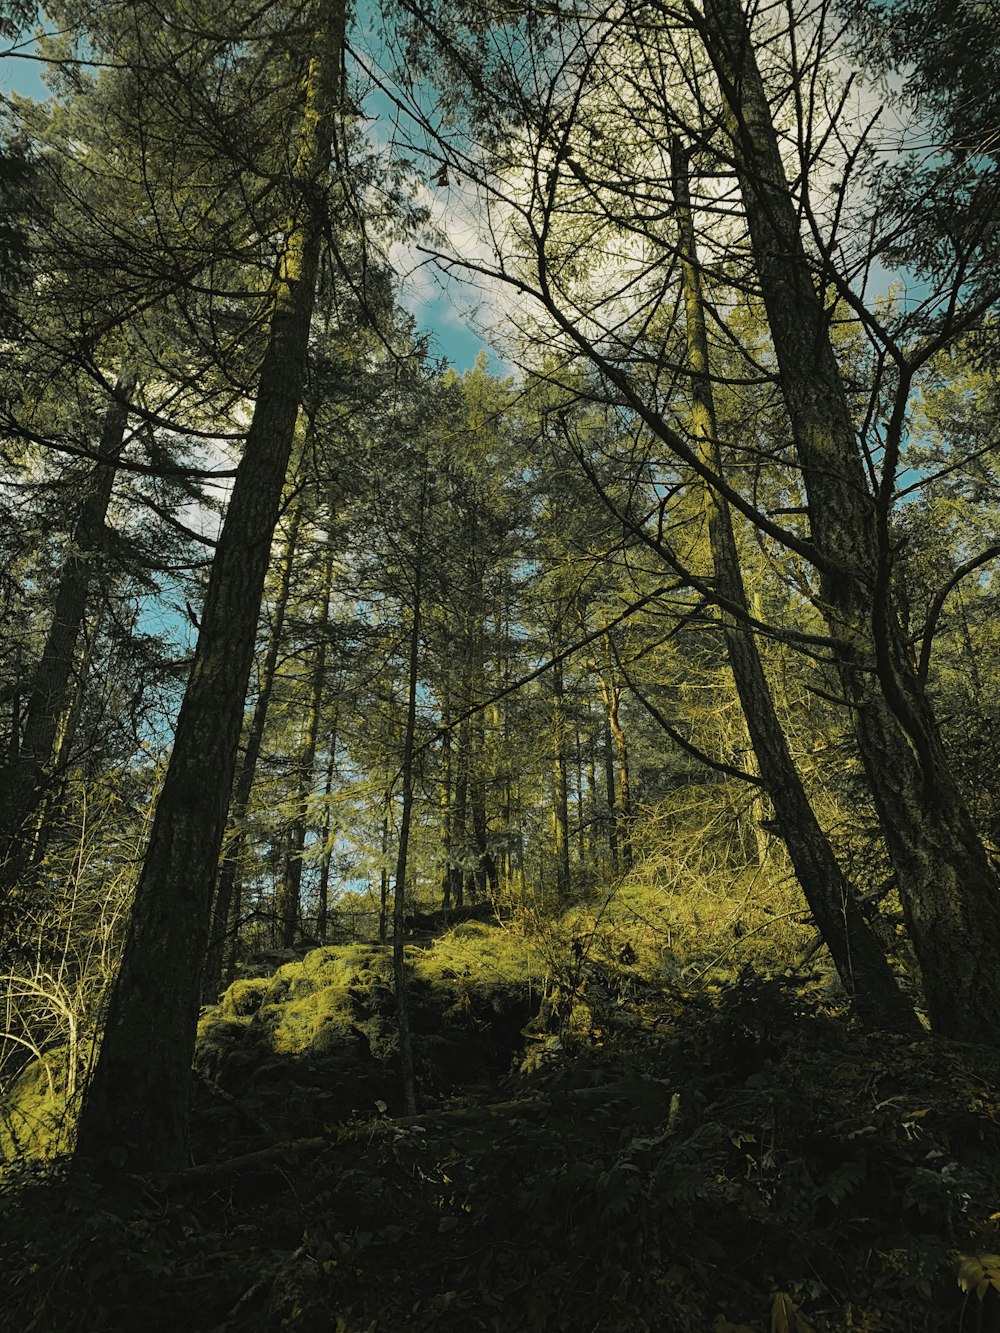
(947, 888)
(860, 961)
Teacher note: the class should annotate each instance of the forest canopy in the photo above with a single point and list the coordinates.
(667, 632)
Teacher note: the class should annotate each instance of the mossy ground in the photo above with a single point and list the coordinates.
(614, 1151)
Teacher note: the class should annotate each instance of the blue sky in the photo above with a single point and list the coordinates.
(19, 73)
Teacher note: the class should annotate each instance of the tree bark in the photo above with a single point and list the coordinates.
(25, 779)
(399, 888)
(460, 832)
(323, 902)
(447, 814)
(947, 887)
(611, 694)
(289, 904)
(859, 959)
(220, 960)
(610, 786)
(560, 794)
(383, 912)
(135, 1112)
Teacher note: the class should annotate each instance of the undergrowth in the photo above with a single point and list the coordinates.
(667, 1160)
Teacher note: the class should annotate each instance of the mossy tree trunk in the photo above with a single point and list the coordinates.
(135, 1112)
(947, 887)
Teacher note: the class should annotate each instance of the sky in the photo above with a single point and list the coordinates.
(19, 73)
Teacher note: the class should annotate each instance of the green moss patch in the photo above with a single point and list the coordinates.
(37, 1111)
(332, 1019)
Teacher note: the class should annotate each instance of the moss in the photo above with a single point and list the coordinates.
(226, 1050)
(466, 930)
(330, 1021)
(335, 964)
(318, 1046)
(37, 1119)
(293, 1025)
(244, 998)
(288, 1025)
(492, 955)
(292, 980)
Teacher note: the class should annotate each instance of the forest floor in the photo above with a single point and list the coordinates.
(597, 1149)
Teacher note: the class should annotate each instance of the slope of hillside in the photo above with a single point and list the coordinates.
(595, 1151)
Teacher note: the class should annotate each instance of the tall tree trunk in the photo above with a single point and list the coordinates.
(135, 1112)
(594, 855)
(323, 902)
(220, 960)
(611, 693)
(947, 887)
(460, 833)
(560, 793)
(610, 786)
(25, 779)
(503, 617)
(447, 875)
(383, 912)
(399, 888)
(486, 870)
(580, 792)
(859, 959)
(289, 904)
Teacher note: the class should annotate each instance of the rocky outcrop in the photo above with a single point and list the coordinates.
(315, 1044)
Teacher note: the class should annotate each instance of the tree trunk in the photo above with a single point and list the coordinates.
(582, 848)
(323, 902)
(610, 785)
(946, 885)
(859, 959)
(135, 1112)
(289, 901)
(486, 870)
(611, 693)
(460, 835)
(446, 802)
(383, 912)
(220, 960)
(24, 781)
(399, 888)
(560, 802)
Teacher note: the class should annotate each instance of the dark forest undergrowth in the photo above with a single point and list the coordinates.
(606, 1152)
